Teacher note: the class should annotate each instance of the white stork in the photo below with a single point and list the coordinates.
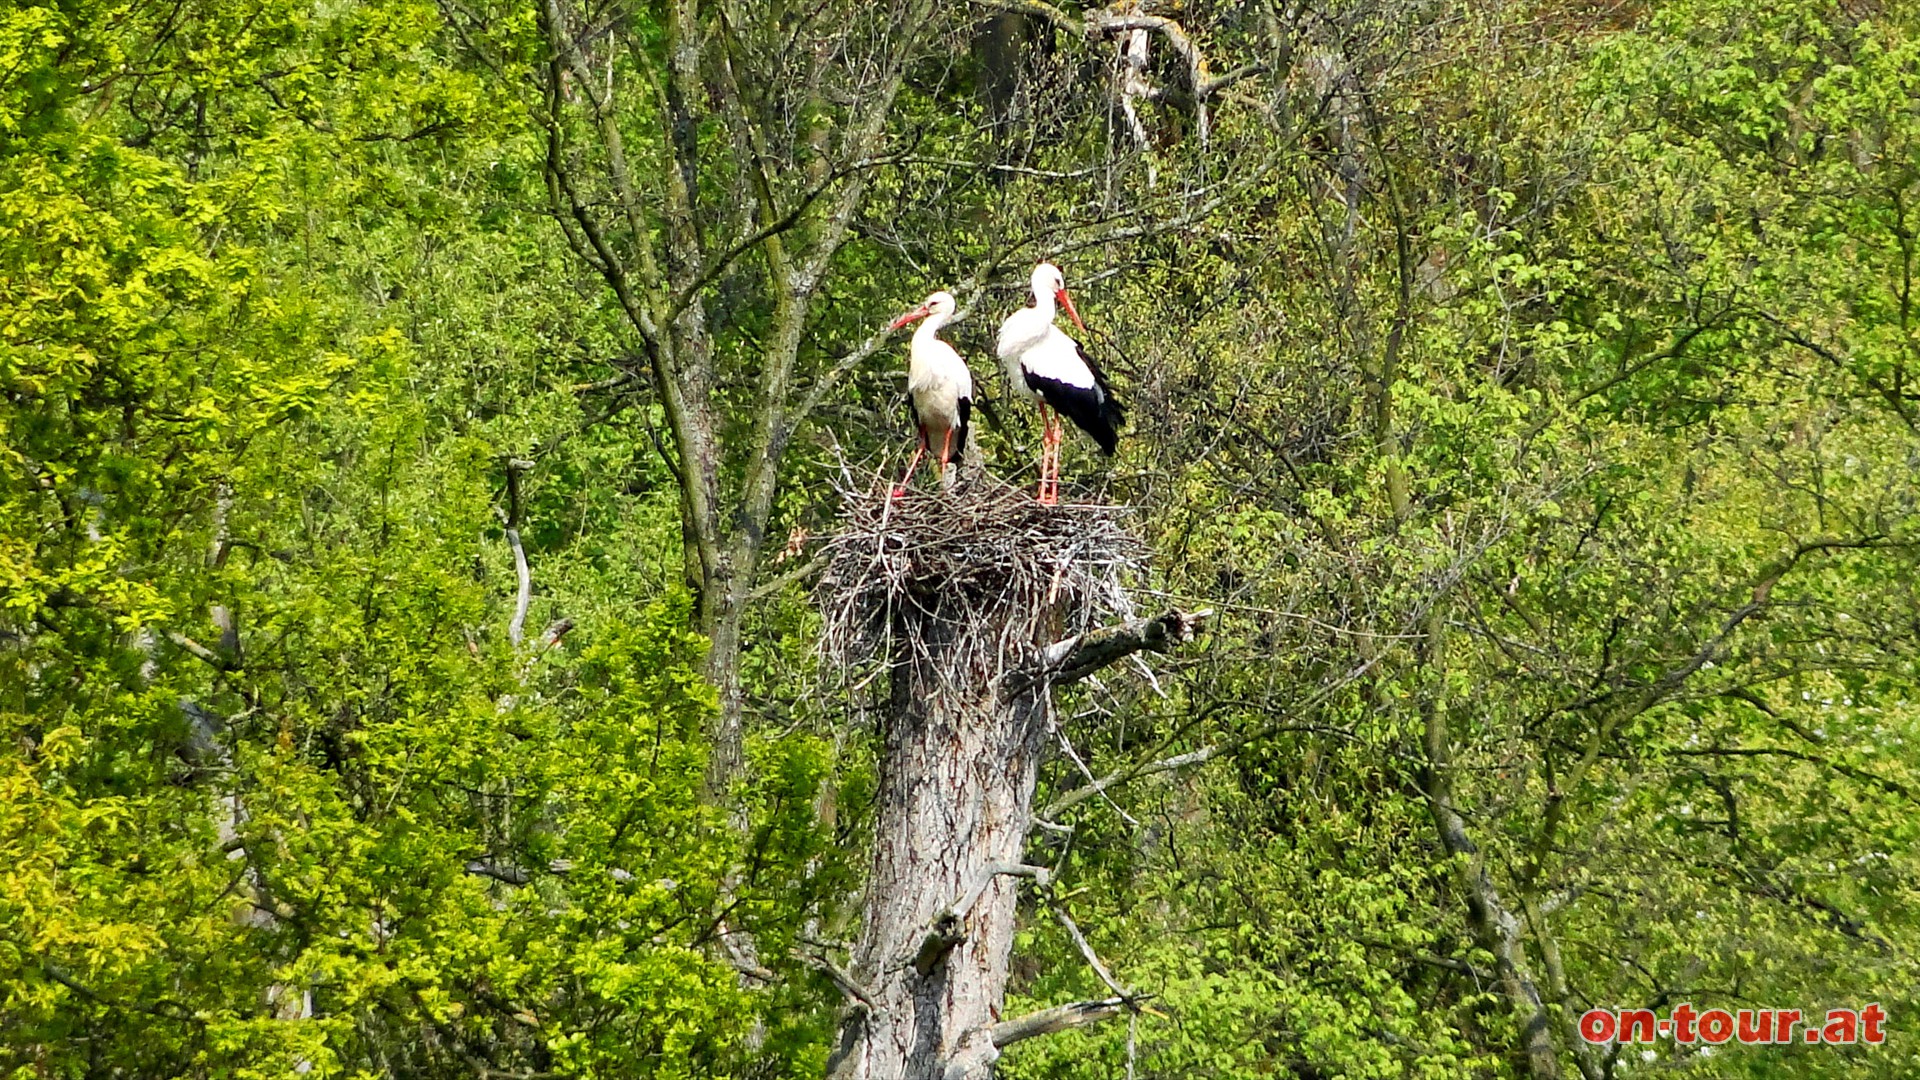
(939, 387)
(1047, 366)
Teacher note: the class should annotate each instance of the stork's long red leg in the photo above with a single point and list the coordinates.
(1049, 462)
(1050, 459)
(1046, 433)
(1053, 461)
(1039, 490)
(946, 452)
(901, 488)
(1046, 460)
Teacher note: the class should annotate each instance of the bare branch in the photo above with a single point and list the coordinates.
(1760, 594)
(164, 1007)
(1077, 657)
(202, 749)
(1179, 761)
(200, 651)
(567, 48)
(1101, 23)
(510, 874)
(783, 223)
(1176, 37)
(1897, 401)
(1057, 1019)
(1891, 787)
(501, 872)
(1237, 75)
(989, 166)
(219, 548)
(799, 573)
(847, 984)
(946, 931)
(1127, 997)
(1040, 875)
(516, 627)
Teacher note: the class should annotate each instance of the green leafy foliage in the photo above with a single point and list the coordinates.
(1537, 414)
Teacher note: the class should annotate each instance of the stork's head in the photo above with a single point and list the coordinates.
(1049, 281)
(940, 304)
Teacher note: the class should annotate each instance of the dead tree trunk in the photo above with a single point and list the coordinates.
(962, 596)
(956, 802)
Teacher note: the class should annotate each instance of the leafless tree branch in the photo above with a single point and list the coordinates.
(1056, 1019)
(1077, 657)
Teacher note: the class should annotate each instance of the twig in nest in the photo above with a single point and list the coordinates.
(970, 583)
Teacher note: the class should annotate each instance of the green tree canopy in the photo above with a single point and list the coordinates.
(420, 421)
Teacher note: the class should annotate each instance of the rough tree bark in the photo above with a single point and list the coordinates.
(955, 807)
(956, 801)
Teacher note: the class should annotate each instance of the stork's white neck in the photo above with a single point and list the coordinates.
(1043, 301)
(931, 326)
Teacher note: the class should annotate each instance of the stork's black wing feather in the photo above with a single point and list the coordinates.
(1089, 407)
(1110, 406)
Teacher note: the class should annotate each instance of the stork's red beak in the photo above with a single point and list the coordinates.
(1066, 301)
(915, 315)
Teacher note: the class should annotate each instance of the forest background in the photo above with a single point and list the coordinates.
(1531, 389)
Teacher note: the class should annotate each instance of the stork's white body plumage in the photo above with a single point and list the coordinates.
(939, 387)
(1022, 332)
(1029, 343)
(1047, 367)
(938, 382)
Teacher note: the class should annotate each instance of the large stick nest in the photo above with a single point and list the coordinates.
(971, 582)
